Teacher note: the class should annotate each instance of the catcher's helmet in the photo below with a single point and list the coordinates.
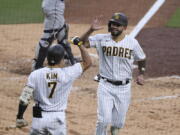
(55, 54)
(119, 19)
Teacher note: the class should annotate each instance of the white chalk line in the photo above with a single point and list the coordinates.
(75, 88)
(93, 55)
(156, 98)
(143, 99)
(166, 77)
(151, 12)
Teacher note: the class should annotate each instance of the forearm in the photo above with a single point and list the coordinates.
(21, 109)
(87, 62)
(142, 66)
(84, 37)
(25, 98)
(84, 54)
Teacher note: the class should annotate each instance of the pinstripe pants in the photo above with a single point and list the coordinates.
(113, 103)
(51, 123)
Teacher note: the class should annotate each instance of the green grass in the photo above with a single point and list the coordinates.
(20, 11)
(175, 19)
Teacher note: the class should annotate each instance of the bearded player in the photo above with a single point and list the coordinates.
(117, 52)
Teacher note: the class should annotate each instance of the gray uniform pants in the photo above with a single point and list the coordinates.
(54, 14)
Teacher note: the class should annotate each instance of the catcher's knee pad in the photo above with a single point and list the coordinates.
(62, 33)
(41, 50)
(41, 53)
(68, 53)
(62, 38)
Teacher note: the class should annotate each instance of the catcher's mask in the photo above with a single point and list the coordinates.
(55, 54)
(118, 19)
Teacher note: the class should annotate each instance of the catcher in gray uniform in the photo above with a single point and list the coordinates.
(55, 28)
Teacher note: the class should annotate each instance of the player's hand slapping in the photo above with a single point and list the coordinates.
(97, 23)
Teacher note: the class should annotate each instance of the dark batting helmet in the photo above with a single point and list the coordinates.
(118, 19)
(55, 54)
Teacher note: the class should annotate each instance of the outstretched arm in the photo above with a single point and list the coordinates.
(96, 25)
(87, 62)
(86, 59)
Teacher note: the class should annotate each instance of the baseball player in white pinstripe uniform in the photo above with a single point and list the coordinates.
(117, 52)
(50, 87)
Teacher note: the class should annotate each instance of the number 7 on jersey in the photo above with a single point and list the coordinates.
(52, 85)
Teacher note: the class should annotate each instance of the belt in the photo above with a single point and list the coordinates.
(116, 82)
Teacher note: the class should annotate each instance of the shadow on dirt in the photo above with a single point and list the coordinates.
(22, 66)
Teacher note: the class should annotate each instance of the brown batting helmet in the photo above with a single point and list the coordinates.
(118, 19)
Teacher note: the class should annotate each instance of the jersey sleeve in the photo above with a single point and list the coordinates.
(31, 80)
(138, 52)
(73, 72)
(94, 41)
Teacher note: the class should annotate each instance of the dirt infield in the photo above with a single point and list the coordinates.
(162, 49)
(146, 115)
(83, 11)
(155, 107)
(160, 44)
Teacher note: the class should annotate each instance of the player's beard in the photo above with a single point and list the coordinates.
(115, 33)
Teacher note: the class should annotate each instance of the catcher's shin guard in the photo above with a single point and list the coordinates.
(68, 50)
(62, 38)
(41, 52)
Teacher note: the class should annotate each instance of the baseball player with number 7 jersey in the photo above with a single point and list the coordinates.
(50, 87)
(117, 52)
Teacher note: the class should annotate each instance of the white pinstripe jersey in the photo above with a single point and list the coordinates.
(116, 58)
(52, 86)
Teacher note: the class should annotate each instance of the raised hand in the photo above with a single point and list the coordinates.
(97, 23)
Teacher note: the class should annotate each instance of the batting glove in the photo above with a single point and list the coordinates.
(21, 123)
(76, 41)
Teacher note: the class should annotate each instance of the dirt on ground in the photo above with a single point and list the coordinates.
(155, 107)
(162, 49)
(83, 11)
